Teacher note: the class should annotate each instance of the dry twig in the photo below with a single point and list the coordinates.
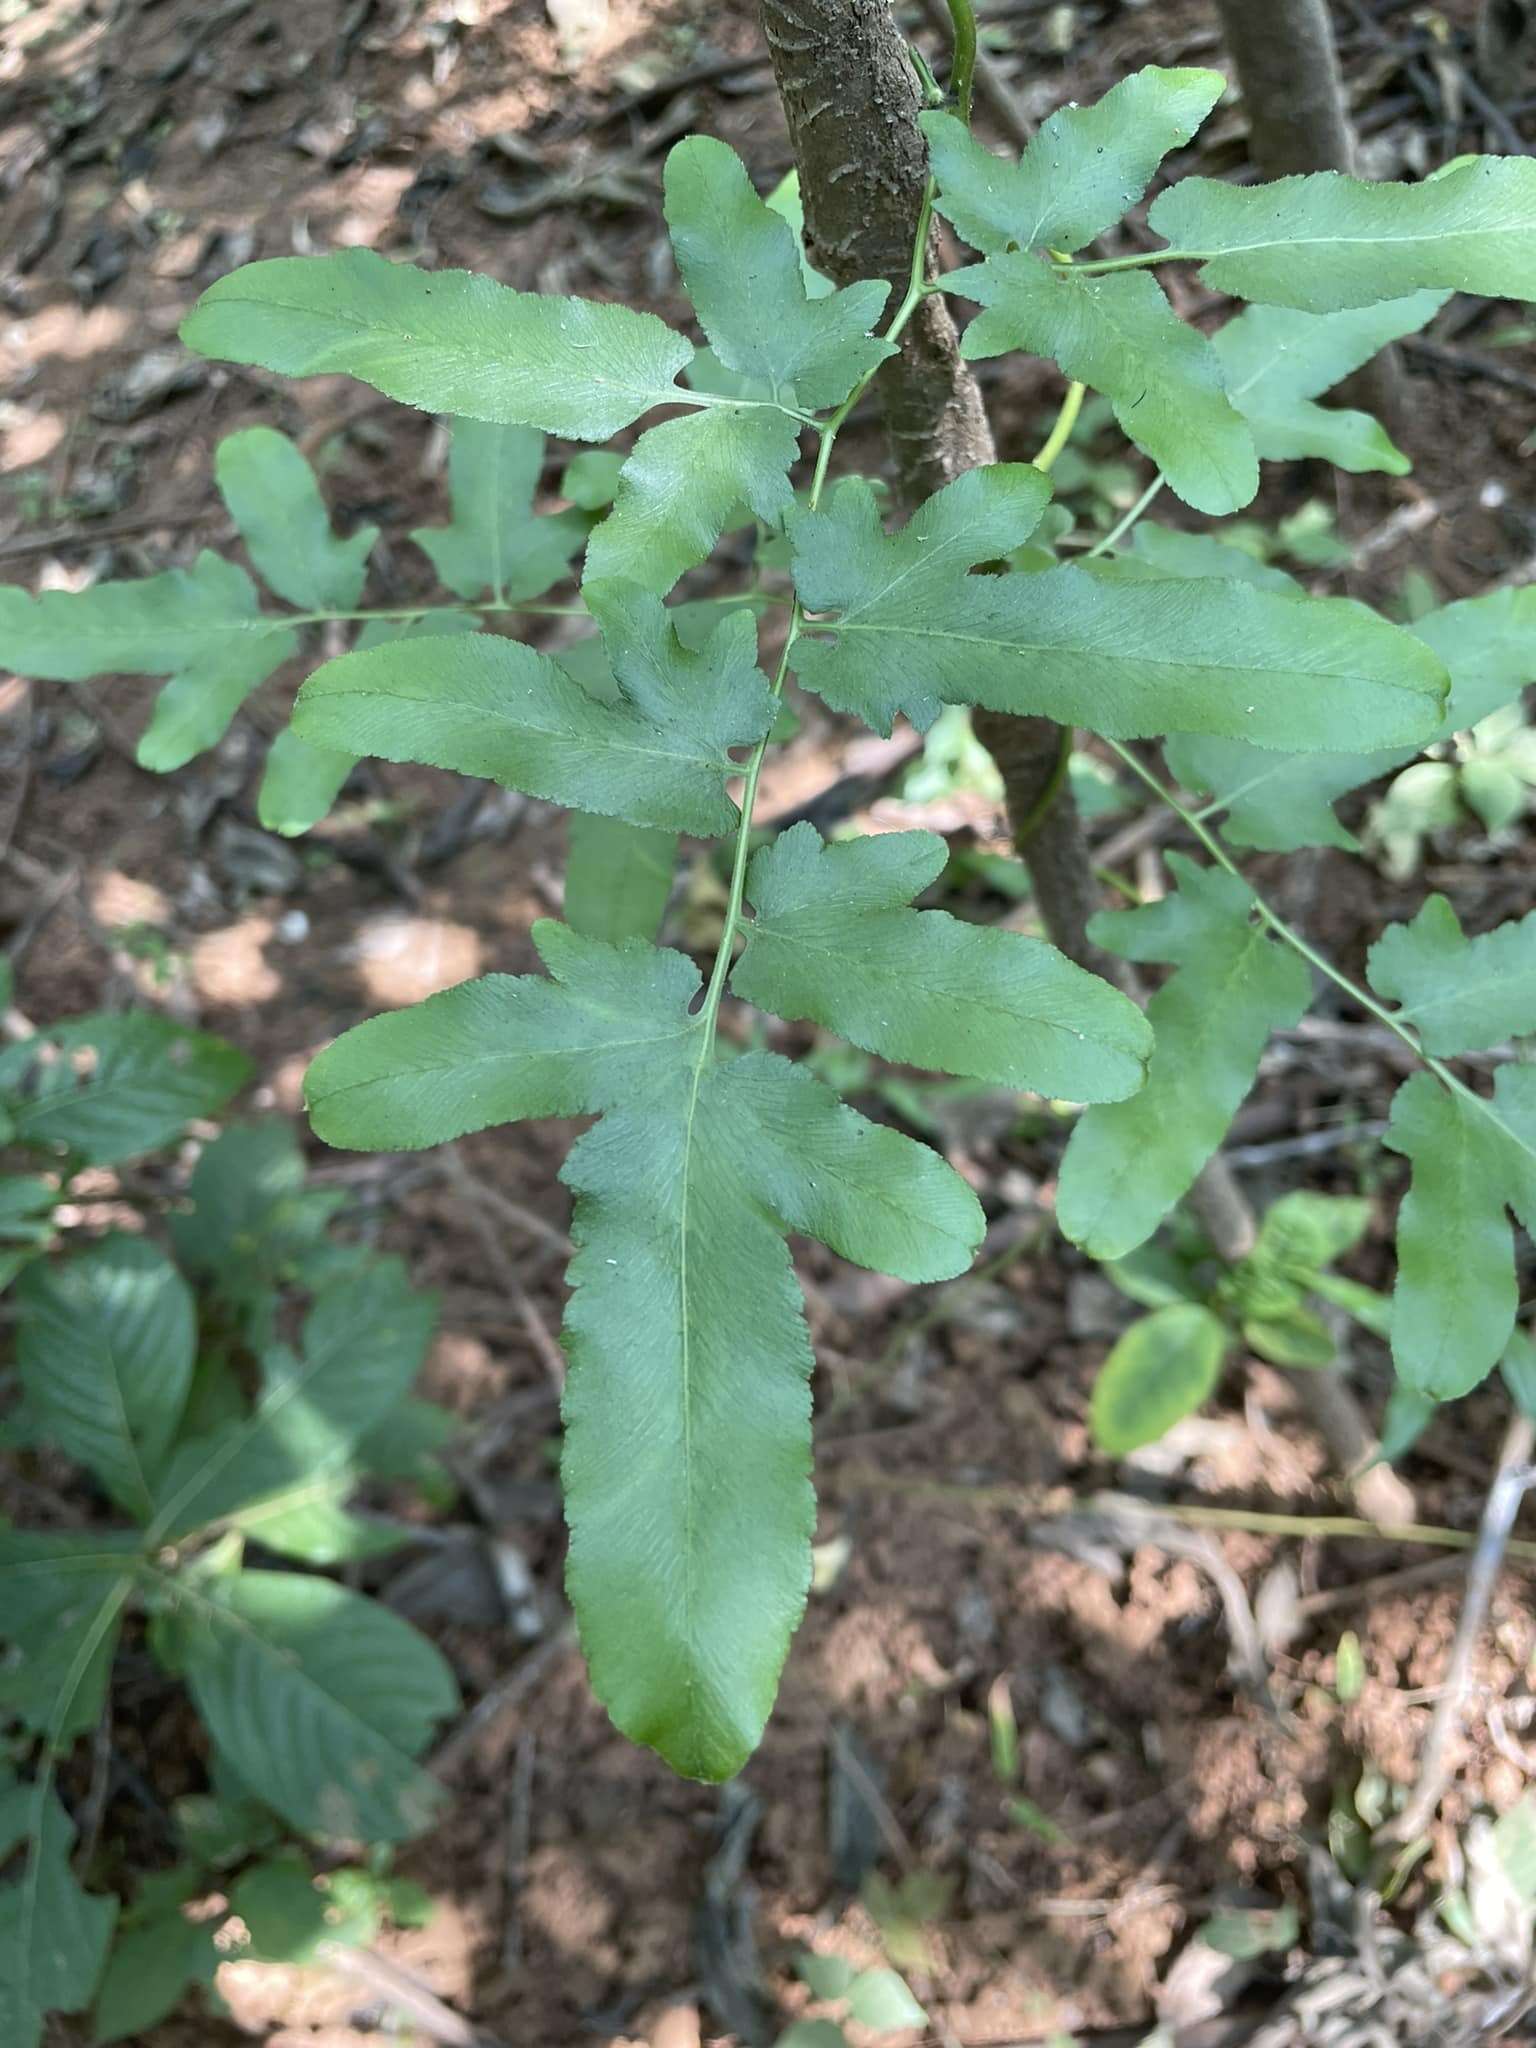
(1511, 1482)
(477, 1199)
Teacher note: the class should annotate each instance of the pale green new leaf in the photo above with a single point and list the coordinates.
(740, 261)
(1159, 1371)
(617, 877)
(1325, 242)
(1276, 802)
(1295, 1335)
(201, 626)
(1127, 1163)
(1127, 657)
(104, 1353)
(1080, 174)
(1119, 334)
(301, 781)
(687, 1445)
(1277, 361)
(685, 482)
(53, 1935)
(1155, 550)
(1459, 994)
(590, 479)
(273, 498)
(1304, 1231)
(835, 941)
(1453, 1307)
(446, 341)
(880, 1999)
(786, 202)
(109, 1087)
(61, 1594)
(362, 1345)
(488, 706)
(312, 1523)
(494, 542)
(1488, 644)
(319, 1700)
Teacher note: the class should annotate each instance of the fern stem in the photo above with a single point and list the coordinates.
(828, 431)
(1509, 1488)
(1140, 261)
(738, 888)
(1324, 966)
(1061, 432)
(474, 608)
(1123, 525)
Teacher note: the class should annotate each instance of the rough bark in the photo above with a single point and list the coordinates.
(851, 101)
(1298, 121)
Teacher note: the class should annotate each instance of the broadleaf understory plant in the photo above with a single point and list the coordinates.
(132, 1363)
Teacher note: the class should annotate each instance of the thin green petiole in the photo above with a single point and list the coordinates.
(1288, 934)
(828, 431)
(738, 888)
(705, 399)
(1061, 432)
(1100, 264)
(472, 609)
(917, 289)
(1123, 525)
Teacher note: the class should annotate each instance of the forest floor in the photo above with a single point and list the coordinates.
(583, 1892)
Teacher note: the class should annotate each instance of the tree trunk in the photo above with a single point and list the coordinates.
(1298, 121)
(851, 101)
(1288, 68)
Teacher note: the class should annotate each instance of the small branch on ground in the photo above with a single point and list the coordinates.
(478, 1200)
(1511, 1482)
(501, 1699)
(408, 1995)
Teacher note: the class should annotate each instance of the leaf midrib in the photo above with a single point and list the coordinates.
(387, 334)
(909, 629)
(292, 1667)
(113, 1600)
(1375, 241)
(503, 1058)
(272, 1403)
(796, 941)
(599, 740)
